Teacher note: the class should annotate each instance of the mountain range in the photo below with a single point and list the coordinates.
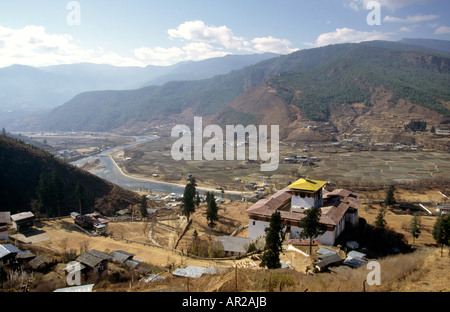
(306, 86)
(26, 90)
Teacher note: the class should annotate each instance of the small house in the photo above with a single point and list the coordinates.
(121, 256)
(24, 257)
(5, 218)
(8, 253)
(355, 259)
(444, 209)
(23, 221)
(39, 263)
(94, 222)
(234, 246)
(95, 261)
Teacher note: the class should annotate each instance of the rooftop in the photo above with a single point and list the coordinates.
(93, 257)
(307, 185)
(335, 205)
(7, 249)
(234, 244)
(22, 216)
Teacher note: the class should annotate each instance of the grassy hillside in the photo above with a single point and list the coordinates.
(22, 166)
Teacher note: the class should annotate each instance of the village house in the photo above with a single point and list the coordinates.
(8, 254)
(23, 221)
(93, 222)
(5, 219)
(339, 209)
(443, 208)
(95, 261)
(234, 246)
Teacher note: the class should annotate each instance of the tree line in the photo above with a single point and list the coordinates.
(51, 196)
(191, 200)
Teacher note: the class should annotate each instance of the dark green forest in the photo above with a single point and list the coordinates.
(32, 179)
(420, 78)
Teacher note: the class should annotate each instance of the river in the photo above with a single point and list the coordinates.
(110, 171)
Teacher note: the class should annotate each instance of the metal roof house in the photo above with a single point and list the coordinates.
(8, 253)
(339, 209)
(22, 221)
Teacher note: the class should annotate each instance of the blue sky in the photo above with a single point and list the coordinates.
(140, 33)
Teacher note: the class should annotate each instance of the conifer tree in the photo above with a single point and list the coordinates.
(79, 193)
(188, 204)
(143, 207)
(390, 196)
(415, 227)
(274, 242)
(57, 190)
(311, 226)
(380, 221)
(441, 231)
(43, 192)
(211, 212)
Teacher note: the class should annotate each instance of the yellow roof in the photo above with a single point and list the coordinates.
(307, 185)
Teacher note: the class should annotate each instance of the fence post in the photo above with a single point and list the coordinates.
(235, 277)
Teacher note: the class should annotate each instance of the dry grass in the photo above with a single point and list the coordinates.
(422, 270)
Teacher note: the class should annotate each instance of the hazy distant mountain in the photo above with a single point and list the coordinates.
(313, 80)
(25, 88)
(438, 45)
(208, 68)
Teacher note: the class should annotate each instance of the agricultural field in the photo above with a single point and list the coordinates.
(371, 168)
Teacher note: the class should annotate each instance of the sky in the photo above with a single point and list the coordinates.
(146, 32)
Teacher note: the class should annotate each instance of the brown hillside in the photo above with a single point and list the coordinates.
(384, 121)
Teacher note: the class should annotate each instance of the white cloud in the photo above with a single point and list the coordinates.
(223, 36)
(348, 35)
(207, 42)
(391, 5)
(443, 30)
(271, 44)
(199, 31)
(411, 19)
(34, 46)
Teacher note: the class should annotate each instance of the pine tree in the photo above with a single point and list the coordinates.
(57, 190)
(188, 204)
(211, 212)
(390, 196)
(311, 226)
(441, 231)
(79, 193)
(143, 207)
(197, 199)
(43, 192)
(274, 242)
(380, 221)
(415, 227)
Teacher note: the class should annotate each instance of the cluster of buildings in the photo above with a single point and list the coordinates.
(339, 210)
